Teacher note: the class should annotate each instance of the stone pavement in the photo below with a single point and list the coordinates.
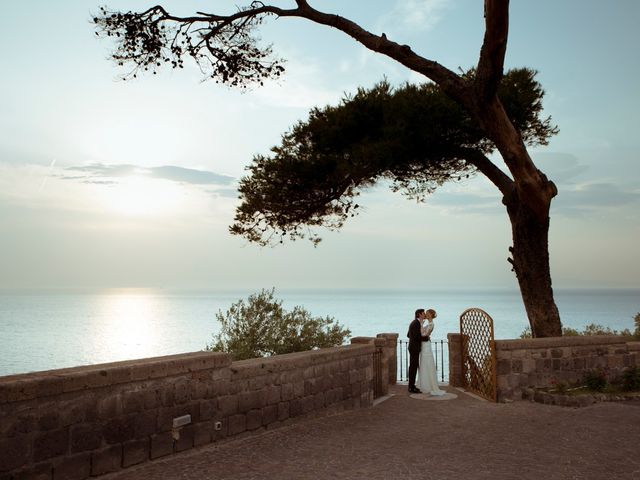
(407, 438)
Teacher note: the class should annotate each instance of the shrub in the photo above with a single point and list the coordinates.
(260, 327)
(631, 379)
(595, 380)
(593, 329)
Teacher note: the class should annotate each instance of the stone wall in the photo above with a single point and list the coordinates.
(88, 421)
(539, 362)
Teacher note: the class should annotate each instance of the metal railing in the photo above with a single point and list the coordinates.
(442, 360)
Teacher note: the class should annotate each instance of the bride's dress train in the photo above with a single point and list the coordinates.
(427, 380)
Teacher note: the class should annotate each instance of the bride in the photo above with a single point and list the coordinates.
(427, 377)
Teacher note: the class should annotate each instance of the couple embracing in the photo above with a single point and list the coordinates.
(421, 363)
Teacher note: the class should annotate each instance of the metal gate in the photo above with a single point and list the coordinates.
(478, 353)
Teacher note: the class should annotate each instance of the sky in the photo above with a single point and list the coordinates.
(113, 184)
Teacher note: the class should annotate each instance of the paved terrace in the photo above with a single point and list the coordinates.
(407, 438)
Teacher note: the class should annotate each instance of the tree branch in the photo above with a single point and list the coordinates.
(450, 82)
(500, 179)
(494, 47)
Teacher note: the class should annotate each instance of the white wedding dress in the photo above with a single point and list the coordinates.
(427, 380)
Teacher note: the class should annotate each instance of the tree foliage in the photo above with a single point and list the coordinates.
(228, 52)
(414, 136)
(260, 327)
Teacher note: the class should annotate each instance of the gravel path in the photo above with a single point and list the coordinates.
(407, 438)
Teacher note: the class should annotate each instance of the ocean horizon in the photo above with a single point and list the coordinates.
(57, 328)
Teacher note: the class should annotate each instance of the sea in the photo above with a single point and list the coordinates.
(51, 330)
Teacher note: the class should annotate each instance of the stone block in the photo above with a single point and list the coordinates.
(272, 395)
(133, 402)
(504, 367)
(258, 382)
(41, 471)
(164, 419)
(286, 391)
(309, 386)
(161, 445)
(106, 460)
(295, 407)
(200, 390)
(167, 396)
(556, 364)
(151, 399)
(145, 424)
(615, 361)
(516, 366)
(109, 407)
(556, 353)
(228, 405)
(182, 392)
(283, 411)
(208, 409)
(308, 404)
(298, 389)
(85, 437)
(51, 444)
(528, 365)
(18, 424)
(269, 414)
(75, 467)
(14, 452)
(356, 389)
(119, 430)
(202, 433)
(318, 401)
(236, 424)
(136, 451)
(220, 387)
(49, 419)
(185, 438)
(250, 400)
(579, 364)
(254, 419)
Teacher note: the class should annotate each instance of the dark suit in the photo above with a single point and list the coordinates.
(415, 345)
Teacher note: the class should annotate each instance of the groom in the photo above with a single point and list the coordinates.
(415, 345)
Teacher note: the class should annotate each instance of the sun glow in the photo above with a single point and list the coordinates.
(139, 196)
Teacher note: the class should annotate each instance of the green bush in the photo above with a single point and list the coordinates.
(260, 327)
(593, 329)
(595, 380)
(631, 379)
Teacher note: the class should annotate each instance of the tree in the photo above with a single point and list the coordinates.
(261, 328)
(226, 50)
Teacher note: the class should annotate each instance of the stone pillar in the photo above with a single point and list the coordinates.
(455, 359)
(390, 353)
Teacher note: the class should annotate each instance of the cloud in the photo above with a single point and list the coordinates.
(559, 167)
(99, 173)
(414, 15)
(592, 196)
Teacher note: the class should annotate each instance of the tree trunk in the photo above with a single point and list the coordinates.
(530, 262)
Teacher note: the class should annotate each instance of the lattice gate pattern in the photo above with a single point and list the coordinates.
(478, 353)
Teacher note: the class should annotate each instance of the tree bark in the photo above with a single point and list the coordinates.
(528, 204)
(530, 260)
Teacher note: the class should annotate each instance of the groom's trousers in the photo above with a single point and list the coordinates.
(414, 360)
